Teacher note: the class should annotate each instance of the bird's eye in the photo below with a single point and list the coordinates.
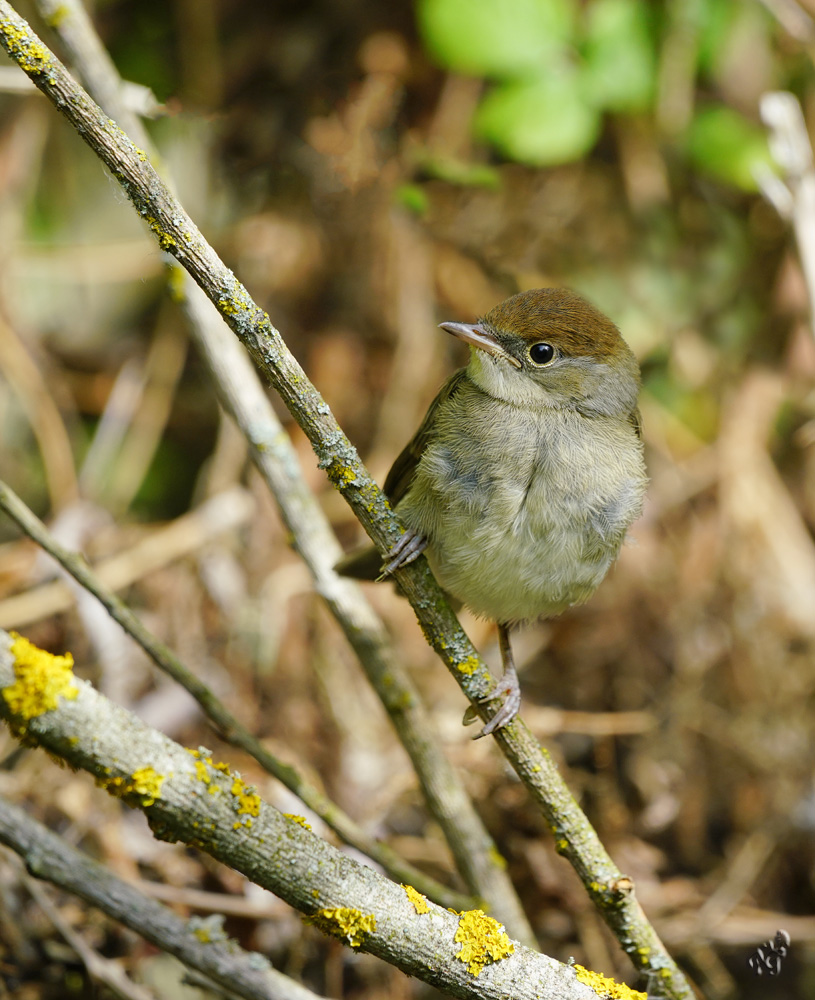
(541, 354)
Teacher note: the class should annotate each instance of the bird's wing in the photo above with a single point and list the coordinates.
(401, 475)
(635, 419)
(366, 563)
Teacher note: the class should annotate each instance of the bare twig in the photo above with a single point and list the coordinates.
(48, 856)
(102, 970)
(243, 396)
(611, 891)
(221, 513)
(186, 796)
(232, 729)
(794, 196)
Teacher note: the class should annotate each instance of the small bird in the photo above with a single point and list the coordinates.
(527, 470)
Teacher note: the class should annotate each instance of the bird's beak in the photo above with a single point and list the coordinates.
(479, 336)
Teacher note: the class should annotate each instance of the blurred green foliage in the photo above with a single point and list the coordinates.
(556, 68)
(727, 146)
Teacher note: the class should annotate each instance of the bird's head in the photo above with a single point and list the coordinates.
(550, 347)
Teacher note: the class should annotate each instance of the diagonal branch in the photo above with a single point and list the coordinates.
(243, 396)
(48, 856)
(232, 729)
(188, 797)
(611, 891)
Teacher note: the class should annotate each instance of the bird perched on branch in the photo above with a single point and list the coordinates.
(527, 471)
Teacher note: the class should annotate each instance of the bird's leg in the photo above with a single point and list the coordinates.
(508, 687)
(409, 547)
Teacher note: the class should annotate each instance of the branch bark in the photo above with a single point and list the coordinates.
(231, 728)
(48, 856)
(611, 891)
(242, 395)
(188, 797)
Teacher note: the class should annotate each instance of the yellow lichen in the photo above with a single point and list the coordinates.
(248, 801)
(419, 901)
(232, 306)
(147, 784)
(497, 858)
(468, 666)
(608, 989)
(30, 55)
(204, 755)
(41, 679)
(59, 14)
(144, 784)
(165, 240)
(341, 475)
(301, 820)
(482, 939)
(345, 923)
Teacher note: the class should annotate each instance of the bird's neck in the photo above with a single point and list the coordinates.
(502, 382)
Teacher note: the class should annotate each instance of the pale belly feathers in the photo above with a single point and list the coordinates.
(534, 529)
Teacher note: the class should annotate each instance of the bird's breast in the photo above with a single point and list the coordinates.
(524, 510)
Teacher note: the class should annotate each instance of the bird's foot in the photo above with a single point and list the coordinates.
(409, 547)
(509, 689)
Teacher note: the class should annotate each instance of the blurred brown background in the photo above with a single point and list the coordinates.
(331, 162)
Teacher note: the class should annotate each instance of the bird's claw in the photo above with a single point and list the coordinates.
(510, 690)
(409, 547)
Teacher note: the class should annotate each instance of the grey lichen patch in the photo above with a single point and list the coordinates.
(209, 929)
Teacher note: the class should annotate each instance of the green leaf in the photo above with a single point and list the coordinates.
(715, 20)
(413, 197)
(728, 146)
(460, 172)
(620, 66)
(497, 38)
(540, 122)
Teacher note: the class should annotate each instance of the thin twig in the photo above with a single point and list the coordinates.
(101, 970)
(48, 856)
(611, 891)
(186, 797)
(243, 396)
(232, 729)
(794, 195)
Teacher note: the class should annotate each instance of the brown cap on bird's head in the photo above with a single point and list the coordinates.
(579, 329)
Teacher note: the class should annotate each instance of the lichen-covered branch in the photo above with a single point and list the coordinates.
(231, 728)
(240, 391)
(198, 944)
(189, 797)
(242, 394)
(176, 233)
